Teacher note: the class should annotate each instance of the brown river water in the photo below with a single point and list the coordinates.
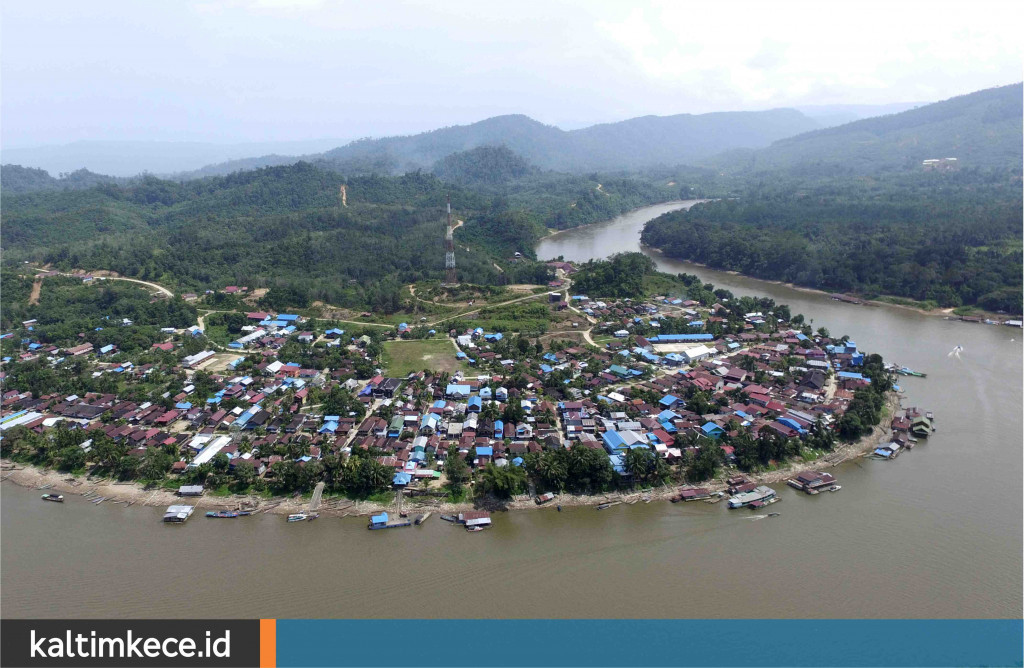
(935, 533)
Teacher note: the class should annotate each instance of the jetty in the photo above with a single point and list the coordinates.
(382, 521)
(178, 514)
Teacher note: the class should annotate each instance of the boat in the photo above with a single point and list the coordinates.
(221, 513)
(57, 498)
(544, 498)
(773, 514)
(449, 518)
(420, 519)
(474, 528)
(605, 506)
(297, 517)
(835, 488)
(760, 495)
(930, 415)
(312, 516)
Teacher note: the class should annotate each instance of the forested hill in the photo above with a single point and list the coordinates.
(949, 238)
(15, 179)
(286, 228)
(981, 130)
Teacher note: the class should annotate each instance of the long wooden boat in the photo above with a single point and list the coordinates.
(225, 514)
(56, 498)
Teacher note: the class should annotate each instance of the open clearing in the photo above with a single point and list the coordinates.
(404, 357)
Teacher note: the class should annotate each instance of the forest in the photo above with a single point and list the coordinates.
(950, 239)
(285, 228)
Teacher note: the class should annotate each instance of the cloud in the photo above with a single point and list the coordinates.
(237, 70)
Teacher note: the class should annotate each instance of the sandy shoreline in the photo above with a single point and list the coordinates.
(129, 493)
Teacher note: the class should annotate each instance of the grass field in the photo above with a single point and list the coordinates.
(403, 357)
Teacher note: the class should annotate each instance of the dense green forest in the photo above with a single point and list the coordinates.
(950, 238)
(286, 228)
(620, 276)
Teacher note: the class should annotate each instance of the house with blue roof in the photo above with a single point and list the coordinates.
(429, 423)
(618, 463)
(618, 370)
(475, 405)
(667, 416)
(499, 430)
(712, 430)
(613, 441)
(454, 390)
(401, 479)
(669, 401)
(485, 393)
(851, 375)
(680, 338)
(791, 423)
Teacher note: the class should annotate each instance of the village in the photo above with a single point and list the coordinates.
(670, 397)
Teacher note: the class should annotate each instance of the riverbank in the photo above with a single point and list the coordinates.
(936, 312)
(130, 493)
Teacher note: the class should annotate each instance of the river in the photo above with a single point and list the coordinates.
(935, 533)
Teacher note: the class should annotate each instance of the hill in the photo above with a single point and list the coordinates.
(491, 165)
(947, 239)
(285, 228)
(15, 179)
(981, 130)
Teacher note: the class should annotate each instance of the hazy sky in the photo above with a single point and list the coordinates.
(262, 70)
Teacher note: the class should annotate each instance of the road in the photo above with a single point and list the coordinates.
(159, 288)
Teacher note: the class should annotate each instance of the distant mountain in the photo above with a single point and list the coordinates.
(639, 142)
(129, 158)
(981, 129)
(630, 144)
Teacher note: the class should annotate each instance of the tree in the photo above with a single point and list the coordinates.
(70, 458)
(456, 471)
(155, 465)
(504, 482)
(641, 463)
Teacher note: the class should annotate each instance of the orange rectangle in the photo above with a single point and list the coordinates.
(268, 643)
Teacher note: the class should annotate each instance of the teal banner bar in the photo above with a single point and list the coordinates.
(649, 642)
